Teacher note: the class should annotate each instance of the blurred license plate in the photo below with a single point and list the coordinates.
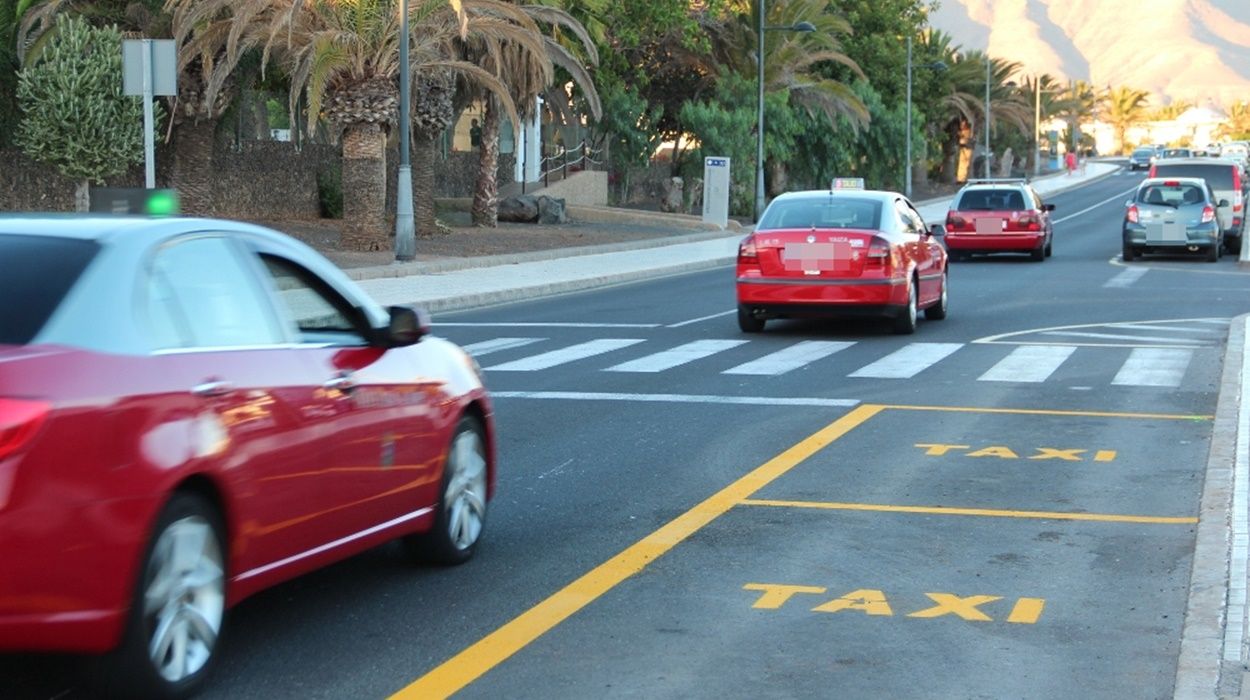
(1165, 232)
(814, 258)
(990, 225)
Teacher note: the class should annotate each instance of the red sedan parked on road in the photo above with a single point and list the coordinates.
(194, 410)
(837, 252)
(999, 216)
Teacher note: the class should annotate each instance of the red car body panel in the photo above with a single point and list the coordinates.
(1013, 231)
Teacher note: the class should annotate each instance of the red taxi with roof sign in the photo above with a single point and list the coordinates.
(999, 216)
(841, 252)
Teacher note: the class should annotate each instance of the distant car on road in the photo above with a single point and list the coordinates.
(1141, 158)
(1177, 153)
(841, 252)
(1225, 179)
(194, 410)
(999, 216)
(1172, 215)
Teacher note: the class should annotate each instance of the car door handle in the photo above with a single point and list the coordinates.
(212, 388)
(343, 382)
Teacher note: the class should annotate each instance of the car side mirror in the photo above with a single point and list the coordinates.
(937, 230)
(407, 326)
(1223, 203)
(1128, 203)
(1048, 207)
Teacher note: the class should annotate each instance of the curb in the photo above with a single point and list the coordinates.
(1202, 652)
(474, 301)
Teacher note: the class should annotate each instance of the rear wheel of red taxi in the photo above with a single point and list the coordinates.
(905, 322)
(747, 322)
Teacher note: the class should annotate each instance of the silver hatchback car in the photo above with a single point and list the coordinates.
(1172, 215)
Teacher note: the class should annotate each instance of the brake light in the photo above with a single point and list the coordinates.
(953, 221)
(747, 252)
(19, 421)
(1153, 168)
(878, 253)
(1031, 221)
(1208, 215)
(1132, 214)
(1171, 183)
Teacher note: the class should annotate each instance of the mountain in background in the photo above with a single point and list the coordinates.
(1193, 50)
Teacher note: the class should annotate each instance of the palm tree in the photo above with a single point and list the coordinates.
(1238, 126)
(1079, 102)
(1171, 111)
(1125, 106)
(1044, 90)
(528, 75)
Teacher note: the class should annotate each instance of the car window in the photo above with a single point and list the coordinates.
(833, 212)
(201, 295)
(1144, 152)
(909, 221)
(991, 200)
(318, 314)
(1173, 195)
(37, 272)
(1220, 177)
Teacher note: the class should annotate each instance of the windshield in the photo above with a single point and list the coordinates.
(38, 271)
(818, 212)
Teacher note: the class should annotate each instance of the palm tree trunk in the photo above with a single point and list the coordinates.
(364, 187)
(82, 195)
(192, 171)
(424, 151)
(950, 154)
(486, 192)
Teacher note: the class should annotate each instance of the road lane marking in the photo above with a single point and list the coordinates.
(1115, 336)
(572, 353)
(1029, 363)
(1048, 412)
(467, 324)
(674, 398)
(798, 355)
(709, 317)
(495, 345)
(908, 361)
(1126, 278)
(465, 667)
(1169, 329)
(1154, 367)
(979, 512)
(1086, 210)
(680, 355)
(1238, 565)
(1010, 338)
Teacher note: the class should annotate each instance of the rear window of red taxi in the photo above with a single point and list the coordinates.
(823, 212)
(991, 200)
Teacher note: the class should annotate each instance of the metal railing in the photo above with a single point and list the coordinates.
(562, 159)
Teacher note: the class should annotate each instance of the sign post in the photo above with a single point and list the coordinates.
(716, 191)
(149, 68)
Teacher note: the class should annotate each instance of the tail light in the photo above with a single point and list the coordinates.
(1153, 168)
(1031, 221)
(747, 252)
(1208, 215)
(1236, 189)
(1132, 214)
(19, 421)
(878, 253)
(954, 222)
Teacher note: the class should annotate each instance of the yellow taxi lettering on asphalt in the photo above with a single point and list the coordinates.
(1027, 611)
(995, 451)
(1104, 455)
(775, 595)
(950, 604)
(866, 600)
(1065, 455)
(937, 449)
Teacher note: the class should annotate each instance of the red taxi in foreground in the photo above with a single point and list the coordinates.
(999, 216)
(842, 251)
(194, 410)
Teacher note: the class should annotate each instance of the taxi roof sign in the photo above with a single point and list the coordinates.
(847, 183)
(134, 201)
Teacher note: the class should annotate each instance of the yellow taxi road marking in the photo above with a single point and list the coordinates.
(488, 652)
(937, 449)
(1048, 412)
(983, 512)
(874, 602)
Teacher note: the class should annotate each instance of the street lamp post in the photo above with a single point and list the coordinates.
(405, 234)
(907, 152)
(759, 115)
(986, 157)
(1037, 126)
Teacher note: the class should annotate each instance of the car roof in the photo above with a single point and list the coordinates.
(110, 228)
(1200, 160)
(880, 195)
(1161, 180)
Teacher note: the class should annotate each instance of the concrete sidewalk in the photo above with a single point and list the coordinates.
(471, 282)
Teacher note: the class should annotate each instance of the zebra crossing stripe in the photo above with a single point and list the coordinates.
(793, 357)
(679, 355)
(547, 360)
(496, 344)
(1030, 363)
(907, 361)
(1154, 367)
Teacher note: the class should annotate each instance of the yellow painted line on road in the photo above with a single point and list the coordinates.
(1048, 412)
(982, 512)
(465, 667)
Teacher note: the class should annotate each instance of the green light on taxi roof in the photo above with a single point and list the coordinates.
(162, 203)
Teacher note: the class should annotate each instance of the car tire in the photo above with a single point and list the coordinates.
(1128, 253)
(937, 312)
(905, 321)
(178, 607)
(1050, 245)
(1213, 253)
(1038, 254)
(460, 515)
(747, 322)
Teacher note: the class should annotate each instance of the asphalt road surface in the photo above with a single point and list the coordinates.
(1001, 505)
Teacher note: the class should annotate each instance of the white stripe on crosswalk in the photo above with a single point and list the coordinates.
(679, 355)
(1127, 278)
(793, 357)
(1154, 367)
(562, 356)
(1030, 363)
(907, 361)
(495, 345)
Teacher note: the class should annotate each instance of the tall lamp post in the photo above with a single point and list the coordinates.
(759, 116)
(934, 65)
(986, 157)
(405, 234)
(1037, 125)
